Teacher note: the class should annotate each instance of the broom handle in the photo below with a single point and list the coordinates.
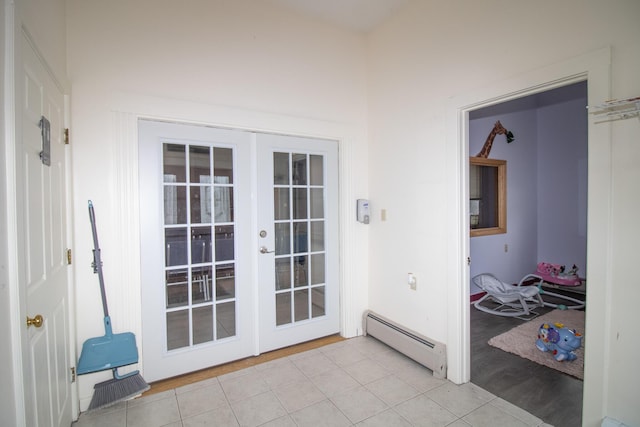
(97, 260)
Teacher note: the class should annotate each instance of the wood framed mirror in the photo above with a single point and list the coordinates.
(487, 196)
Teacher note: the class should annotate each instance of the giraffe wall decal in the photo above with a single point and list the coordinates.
(498, 129)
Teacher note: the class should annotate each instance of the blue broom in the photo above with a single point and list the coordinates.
(110, 351)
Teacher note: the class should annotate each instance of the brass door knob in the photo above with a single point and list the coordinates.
(35, 321)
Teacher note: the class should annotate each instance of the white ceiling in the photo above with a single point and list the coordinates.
(353, 15)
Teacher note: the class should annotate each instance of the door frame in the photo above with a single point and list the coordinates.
(593, 67)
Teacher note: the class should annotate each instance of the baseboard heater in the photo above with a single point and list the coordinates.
(423, 350)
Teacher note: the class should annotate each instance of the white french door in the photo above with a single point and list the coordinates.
(208, 295)
(298, 239)
(195, 223)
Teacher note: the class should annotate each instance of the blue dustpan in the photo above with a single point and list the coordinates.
(107, 352)
(111, 350)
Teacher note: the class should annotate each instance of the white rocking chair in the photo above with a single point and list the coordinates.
(512, 300)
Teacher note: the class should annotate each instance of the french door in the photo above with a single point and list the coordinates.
(205, 280)
(298, 239)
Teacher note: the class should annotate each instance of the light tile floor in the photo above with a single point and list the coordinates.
(359, 382)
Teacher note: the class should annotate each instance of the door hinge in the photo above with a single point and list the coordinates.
(69, 256)
(73, 374)
(66, 136)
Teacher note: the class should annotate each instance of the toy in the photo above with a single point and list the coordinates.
(557, 274)
(559, 340)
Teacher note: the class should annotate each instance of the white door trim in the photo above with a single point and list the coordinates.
(16, 306)
(595, 68)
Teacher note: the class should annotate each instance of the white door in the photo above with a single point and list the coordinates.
(298, 239)
(197, 303)
(203, 302)
(42, 220)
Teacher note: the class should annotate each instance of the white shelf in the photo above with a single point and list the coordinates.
(616, 110)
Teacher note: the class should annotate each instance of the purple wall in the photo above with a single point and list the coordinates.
(546, 183)
(562, 184)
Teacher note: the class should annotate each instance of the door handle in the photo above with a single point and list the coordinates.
(35, 321)
(264, 250)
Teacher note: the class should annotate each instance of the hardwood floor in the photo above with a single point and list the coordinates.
(554, 397)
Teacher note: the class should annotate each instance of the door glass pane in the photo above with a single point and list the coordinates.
(177, 289)
(199, 167)
(226, 320)
(200, 245)
(317, 269)
(200, 204)
(300, 269)
(299, 203)
(299, 169)
(317, 203)
(301, 299)
(283, 238)
(317, 301)
(316, 170)
(224, 243)
(175, 165)
(177, 329)
(202, 324)
(223, 199)
(299, 237)
(281, 203)
(176, 246)
(193, 249)
(299, 231)
(317, 236)
(281, 168)
(225, 282)
(283, 308)
(175, 204)
(283, 273)
(201, 281)
(223, 165)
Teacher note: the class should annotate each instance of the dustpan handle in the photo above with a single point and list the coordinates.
(97, 260)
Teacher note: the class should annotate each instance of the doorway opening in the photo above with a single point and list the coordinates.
(547, 222)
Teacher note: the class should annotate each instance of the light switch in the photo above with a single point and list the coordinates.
(411, 279)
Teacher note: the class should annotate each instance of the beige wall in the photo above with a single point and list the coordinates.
(433, 51)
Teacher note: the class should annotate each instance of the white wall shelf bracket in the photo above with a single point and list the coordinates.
(616, 110)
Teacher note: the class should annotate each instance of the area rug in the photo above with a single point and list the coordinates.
(521, 341)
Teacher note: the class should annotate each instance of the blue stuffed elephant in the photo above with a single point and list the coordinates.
(560, 341)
